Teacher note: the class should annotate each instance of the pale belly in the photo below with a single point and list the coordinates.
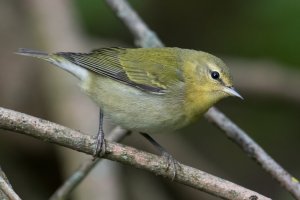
(134, 109)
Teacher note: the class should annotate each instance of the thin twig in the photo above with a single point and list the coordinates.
(143, 36)
(253, 150)
(116, 135)
(6, 189)
(54, 133)
(2, 194)
(133, 22)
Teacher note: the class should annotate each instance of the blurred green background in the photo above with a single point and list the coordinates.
(259, 40)
(255, 29)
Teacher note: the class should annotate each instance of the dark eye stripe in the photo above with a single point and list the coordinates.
(221, 81)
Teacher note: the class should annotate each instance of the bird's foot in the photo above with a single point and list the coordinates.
(100, 143)
(100, 148)
(172, 164)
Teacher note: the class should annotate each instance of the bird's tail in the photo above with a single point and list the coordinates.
(34, 53)
(57, 60)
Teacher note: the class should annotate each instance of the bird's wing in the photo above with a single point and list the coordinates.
(146, 69)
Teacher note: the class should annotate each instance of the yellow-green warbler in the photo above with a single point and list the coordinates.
(149, 90)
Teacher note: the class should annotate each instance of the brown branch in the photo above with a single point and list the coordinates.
(54, 133)
(253, 150)
(6, 191)
(133, 22)
(116, 135)
(143, 36)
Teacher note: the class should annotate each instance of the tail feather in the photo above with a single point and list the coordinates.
(33, 53)
(57, 60)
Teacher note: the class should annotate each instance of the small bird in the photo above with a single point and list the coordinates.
(148, 90)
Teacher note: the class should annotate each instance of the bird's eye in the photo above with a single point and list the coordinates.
(215, 75)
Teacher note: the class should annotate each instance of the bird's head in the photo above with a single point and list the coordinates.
(208, 79)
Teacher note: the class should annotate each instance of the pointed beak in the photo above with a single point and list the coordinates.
(232, 92)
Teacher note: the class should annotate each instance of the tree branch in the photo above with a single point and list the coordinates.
(54, 133)
(141, 32)
(116, 135)
(143, 36)
(6, 191)
(253, 150)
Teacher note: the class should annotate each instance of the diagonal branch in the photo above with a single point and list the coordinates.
(54, 133)
(143, 36)
(253, 150)
(6, 191)
(116, 135)
(142, 32)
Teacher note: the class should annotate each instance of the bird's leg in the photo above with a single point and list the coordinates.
(172, 162)
(100, 145)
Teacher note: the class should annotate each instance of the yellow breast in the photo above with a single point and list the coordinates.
(198, 98)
